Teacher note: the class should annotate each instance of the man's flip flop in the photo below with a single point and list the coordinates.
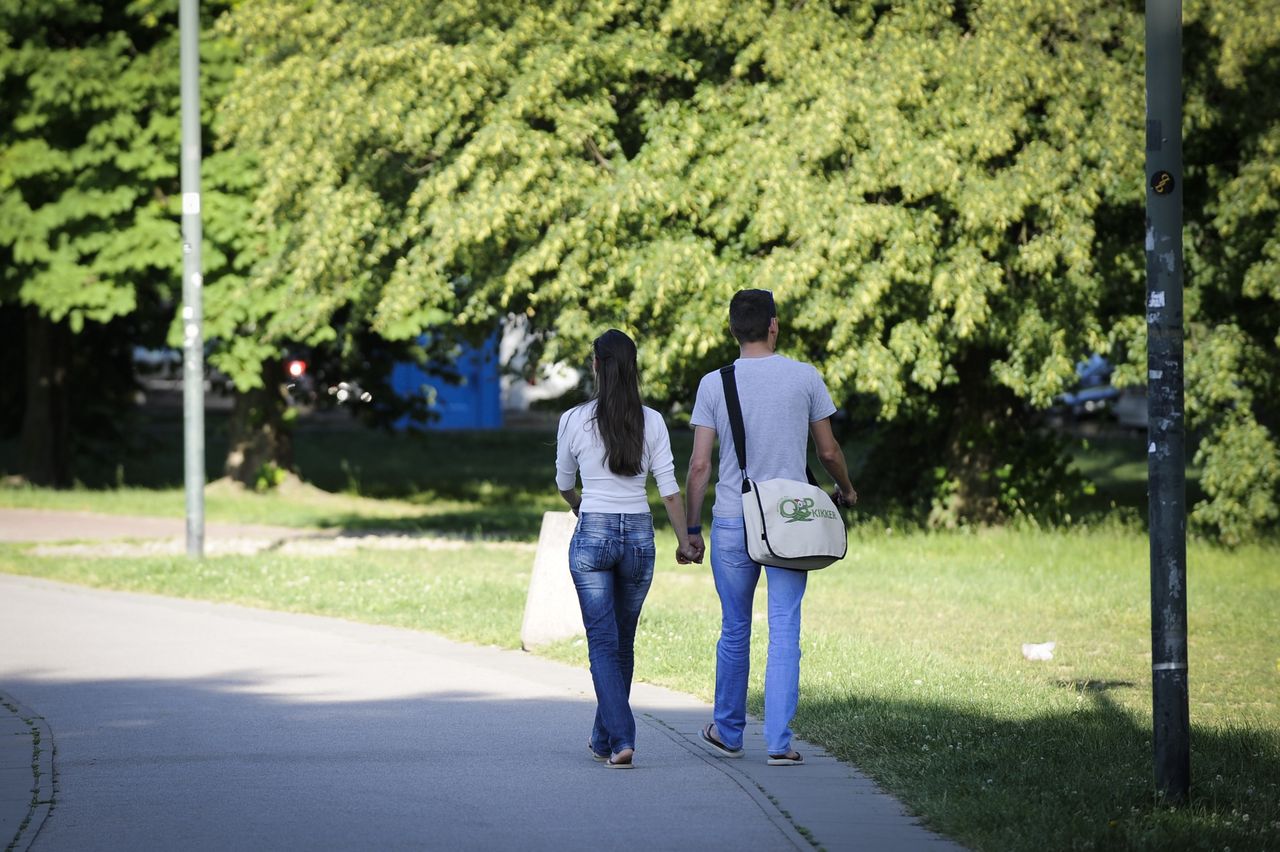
(712, 740)
(597, 756)
(613, 763)
(791, 758)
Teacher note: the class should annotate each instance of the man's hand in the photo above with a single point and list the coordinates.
(845, 499)
(832, 458)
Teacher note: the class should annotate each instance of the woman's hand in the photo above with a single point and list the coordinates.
(571, 497)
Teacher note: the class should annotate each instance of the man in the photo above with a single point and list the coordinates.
(783, 402)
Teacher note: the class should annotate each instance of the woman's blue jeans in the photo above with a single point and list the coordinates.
(611, 559)
(736, 577)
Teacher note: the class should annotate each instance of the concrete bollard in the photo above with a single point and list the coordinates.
(551, 610)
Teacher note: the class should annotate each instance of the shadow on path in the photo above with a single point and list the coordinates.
(235, 762)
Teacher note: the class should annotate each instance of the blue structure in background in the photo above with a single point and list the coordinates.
(475, 403)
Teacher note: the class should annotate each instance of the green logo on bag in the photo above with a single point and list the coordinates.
(801, 509)
(795, 510)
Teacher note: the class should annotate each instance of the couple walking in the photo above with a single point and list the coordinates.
(613, 442)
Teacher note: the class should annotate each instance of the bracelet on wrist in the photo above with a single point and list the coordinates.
(696, 529)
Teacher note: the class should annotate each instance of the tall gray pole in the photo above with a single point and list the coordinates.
(192, 279)
(1165, 453)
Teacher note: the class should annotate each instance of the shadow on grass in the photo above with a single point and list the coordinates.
(515, 523)
(1076, 780)
(1115, 461)
(517, 519)
(501, 470)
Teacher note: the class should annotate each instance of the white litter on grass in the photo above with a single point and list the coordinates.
(1041, 651)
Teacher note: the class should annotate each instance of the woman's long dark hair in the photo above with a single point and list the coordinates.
(619, 415)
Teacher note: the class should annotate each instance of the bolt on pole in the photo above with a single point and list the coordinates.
(192, 279)
(1166, 473)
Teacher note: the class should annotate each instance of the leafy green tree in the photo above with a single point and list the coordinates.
(1233, 69)
(90, 245)
(945, 197)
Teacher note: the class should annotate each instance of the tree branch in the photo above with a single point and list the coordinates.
(594, 151)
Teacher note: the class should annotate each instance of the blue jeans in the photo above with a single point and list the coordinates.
(736, 577)
(611, 559)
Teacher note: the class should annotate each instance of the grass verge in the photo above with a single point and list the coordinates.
(912, 666)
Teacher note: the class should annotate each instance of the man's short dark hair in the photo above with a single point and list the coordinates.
(749, 315)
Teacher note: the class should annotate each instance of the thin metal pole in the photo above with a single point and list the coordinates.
(192, 279)
(1166, 474)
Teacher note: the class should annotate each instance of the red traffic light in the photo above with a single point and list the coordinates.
(296, 368)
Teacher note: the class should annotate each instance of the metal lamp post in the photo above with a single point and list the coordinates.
(192, 279)
(1166, 474)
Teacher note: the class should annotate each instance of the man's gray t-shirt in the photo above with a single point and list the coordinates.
(780, 398)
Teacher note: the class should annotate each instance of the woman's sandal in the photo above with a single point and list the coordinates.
(621, 760)
(791, 758)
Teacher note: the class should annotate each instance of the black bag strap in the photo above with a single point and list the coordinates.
(736, 426)
(739, 430)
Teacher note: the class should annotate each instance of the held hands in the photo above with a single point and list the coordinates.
(690, 550)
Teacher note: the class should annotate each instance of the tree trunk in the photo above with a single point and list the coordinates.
(46, 421)
(979, 415)
(260, 437)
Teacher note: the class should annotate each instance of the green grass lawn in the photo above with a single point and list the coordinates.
(912, 666)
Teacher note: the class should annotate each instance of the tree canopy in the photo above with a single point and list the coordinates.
(82, 151)
(946, 198)
(90, 245)
(1232, 62)
(912, 184)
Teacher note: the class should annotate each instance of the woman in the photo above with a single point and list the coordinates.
(615, 442)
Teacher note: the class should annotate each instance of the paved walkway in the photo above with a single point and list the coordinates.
(141, 722)
(57, 525)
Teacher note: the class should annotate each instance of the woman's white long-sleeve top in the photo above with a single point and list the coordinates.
(580, 450)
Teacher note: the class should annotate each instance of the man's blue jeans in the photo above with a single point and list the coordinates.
(611, 559)
(736, 577)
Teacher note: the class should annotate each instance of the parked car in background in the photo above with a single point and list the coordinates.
(159, 370)
(1130, 408)
(1093, 392)
(1095, 397)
